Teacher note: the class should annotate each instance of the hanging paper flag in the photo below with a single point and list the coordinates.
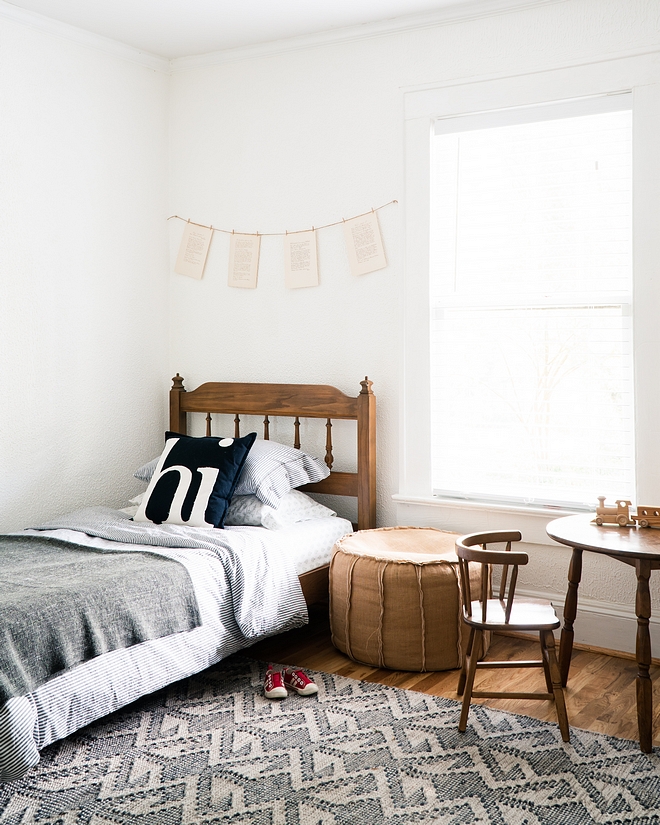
(364, 244)
(244, 260)
(300, 261)
(193, 251)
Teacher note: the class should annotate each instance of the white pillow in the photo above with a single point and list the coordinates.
(270, 471)
(134, 504)
(294, 506)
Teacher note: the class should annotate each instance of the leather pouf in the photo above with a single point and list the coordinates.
(395, 598)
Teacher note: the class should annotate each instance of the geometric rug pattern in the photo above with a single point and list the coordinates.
(211, 749)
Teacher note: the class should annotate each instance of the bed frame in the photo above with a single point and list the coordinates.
(296, 401)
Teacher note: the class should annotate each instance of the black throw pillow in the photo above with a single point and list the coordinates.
(194, 480)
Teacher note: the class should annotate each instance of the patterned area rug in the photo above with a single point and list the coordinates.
(212, 749)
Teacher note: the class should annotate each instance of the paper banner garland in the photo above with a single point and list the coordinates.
(300, 260)
(364, 244)
(193, 251)
(364, 247)
(244, 260)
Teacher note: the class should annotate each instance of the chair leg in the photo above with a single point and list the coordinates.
(549, 645)
(473, 658)
(466, 653)
(546, 666)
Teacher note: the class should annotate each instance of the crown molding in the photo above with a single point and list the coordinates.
(41, 23)
(446, 16)
(449, 15)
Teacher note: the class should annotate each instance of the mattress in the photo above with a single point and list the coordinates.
(102, 685)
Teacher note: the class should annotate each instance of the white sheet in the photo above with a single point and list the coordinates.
(308, 543)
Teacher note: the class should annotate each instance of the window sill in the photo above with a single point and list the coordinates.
(549, 512)
(477, 516)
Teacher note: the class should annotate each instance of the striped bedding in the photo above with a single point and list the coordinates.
(247, 588)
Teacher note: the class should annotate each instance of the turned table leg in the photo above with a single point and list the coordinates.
(570, 612)
(643, 681)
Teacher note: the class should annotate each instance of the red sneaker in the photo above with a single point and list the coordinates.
(300, 682)
(273, 684)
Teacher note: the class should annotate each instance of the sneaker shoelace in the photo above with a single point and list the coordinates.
(274, 687)
(299, 681)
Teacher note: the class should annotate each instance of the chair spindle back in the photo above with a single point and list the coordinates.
(467, 550)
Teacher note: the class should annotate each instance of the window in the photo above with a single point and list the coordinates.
(531, 388)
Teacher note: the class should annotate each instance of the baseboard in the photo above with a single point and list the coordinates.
(602, 626)
(604, 651)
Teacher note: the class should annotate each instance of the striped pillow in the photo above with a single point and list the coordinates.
(272, 469)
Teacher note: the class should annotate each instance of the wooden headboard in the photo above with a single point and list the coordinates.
(295, 401)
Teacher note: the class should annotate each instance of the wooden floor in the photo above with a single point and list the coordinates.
(600, 695)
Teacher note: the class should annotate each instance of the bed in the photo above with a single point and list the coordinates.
(248, 582)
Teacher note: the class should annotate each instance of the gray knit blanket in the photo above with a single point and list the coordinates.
(264, 589)
(62, 604)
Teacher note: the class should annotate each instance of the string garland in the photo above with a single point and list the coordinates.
(286, 232)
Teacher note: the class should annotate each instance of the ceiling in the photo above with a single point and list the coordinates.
(179, 28)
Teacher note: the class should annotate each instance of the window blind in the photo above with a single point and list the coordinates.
(531, 288)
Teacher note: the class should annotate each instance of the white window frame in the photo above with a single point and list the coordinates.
(423, 107)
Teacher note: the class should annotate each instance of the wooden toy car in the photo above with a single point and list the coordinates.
(613, 515)
(647, 516)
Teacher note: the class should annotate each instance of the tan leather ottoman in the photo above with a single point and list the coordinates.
(395, 598)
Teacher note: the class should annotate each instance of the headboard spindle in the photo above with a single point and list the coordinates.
(329, 458)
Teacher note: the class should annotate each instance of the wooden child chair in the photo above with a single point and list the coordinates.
(504, 613)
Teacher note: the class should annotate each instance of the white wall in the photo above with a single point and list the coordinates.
(284, 143)
(83, 273)
(290, 139)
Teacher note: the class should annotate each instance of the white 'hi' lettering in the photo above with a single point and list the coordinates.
(175, 516)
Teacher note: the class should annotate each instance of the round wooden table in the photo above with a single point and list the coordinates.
(640, 548)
